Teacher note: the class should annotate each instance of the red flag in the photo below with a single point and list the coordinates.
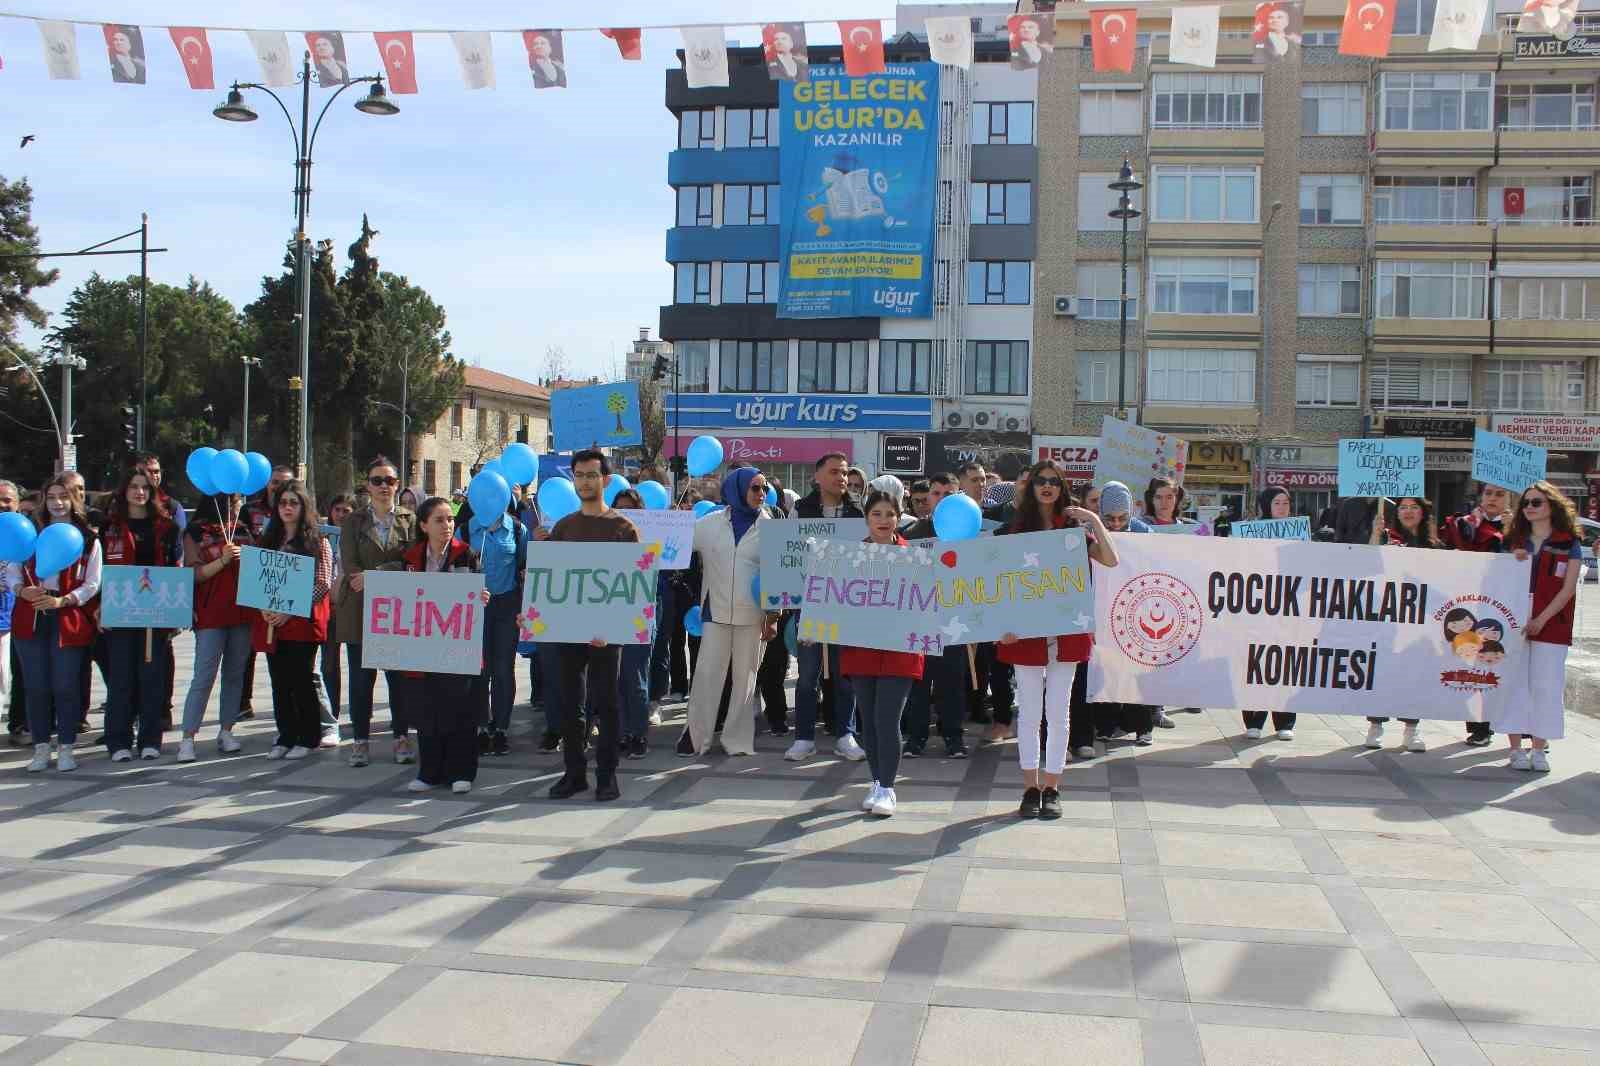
(399, 60)
(1512, 200)
(863, 47)
(628, 42)
(1368, 25)
(195, 51)
(1112, 33)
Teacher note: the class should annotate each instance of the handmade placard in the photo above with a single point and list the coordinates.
(427, 622)
(1390, 467)
(1298, 528)
(578, 592)
(1507, 462)
(785, 551)
(146, 597)
(670, 534)
(276, 581)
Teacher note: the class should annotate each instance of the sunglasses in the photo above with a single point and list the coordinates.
(391, 481)
(1534, 503)
(1048, 482)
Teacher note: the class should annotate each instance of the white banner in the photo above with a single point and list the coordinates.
(705, 57)
(950, 40)
(272, 52)
(60, 49)
(475, 55)
(1315, 628)
(1194, 36)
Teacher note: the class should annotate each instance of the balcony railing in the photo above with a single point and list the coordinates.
(1560, 127)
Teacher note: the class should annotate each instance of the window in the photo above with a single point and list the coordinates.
(455, 477)
(1333, 108)
(997, 203)
(1100, 291)
(1327, 384)
(1433, 288)
(1206, 101)
(903, 366)
(693, 360)
(749, 205)
(1430, 201)
(430, 477)
(483, 423)
(1330, 199)
(694, 205)
(1330, 289)
(1000, 282)
(1110, 111)
(1545, 201)
(455, 417)
(755, 366)
(1007, 123)
(697, 129)
(1203, 286)
(833, 366)
(1548, 299)
(1400, 382)
(1436, 101)
(750, 127)
(1201, 375)
(1205, 194)
(1098, 373)
(1533, 385)
(693, 283)
(997, 368)
(1544, 107)
(749, 283)
(1414, 17)
(1096, 201)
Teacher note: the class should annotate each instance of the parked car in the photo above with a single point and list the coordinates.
(1589, 533)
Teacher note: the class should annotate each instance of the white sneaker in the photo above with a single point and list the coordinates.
(461, 788)
(41, 759)
(1520, 760)
(150, 753)
(1375, 735)
(122, 755)
(655, 712)
(1252, 734)
(870, 800)
(1285, 734)
(227, 744)
(1413, 741)
(1539, 762)
(1085, 752)
(278, 751)
(417, 784)
(847, 748)
(331, 739)
(186, 750)
(299, 751)
(884, 808)
(800, 751)
(66, 762)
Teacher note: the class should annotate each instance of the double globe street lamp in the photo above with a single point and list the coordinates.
(1125, 186)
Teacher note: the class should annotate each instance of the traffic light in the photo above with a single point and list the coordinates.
(129, 426)
(660, 369)
(678, 465)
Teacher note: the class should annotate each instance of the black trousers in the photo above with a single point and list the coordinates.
(769, 682)
(1280, 720)
(1082, 716)
(996, 678)
(595, 669)
(1480, 729)
(17, 713)
(294, 693)
(447, 757)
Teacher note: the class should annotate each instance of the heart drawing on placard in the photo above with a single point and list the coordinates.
(773, 599)
(948, 559)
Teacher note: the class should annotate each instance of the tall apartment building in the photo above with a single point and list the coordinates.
(642, 356)
(1330, 247)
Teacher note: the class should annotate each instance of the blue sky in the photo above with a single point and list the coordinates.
(535, 218)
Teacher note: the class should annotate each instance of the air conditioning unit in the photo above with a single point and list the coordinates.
(1066, 307)
(958, 420)
(1015, 422)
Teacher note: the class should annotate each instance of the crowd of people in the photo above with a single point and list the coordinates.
(716, 651)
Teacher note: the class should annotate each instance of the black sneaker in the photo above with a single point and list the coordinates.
(980, 717)
(606, 789)
(685, 747)
(1030, 803)
(550, 742)
(569, 785)
(637, 748)
(485, 742)
(247, 714)
(955, 749)
(913, 749)
(778, 729)
(502, 744)
(1049, 805)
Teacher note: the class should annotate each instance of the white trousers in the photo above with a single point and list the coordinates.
(1044, 692)
(1541, 714)
(724, 648)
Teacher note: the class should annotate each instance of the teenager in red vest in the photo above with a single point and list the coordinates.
(1411, 525)
(211, 545)
(53, 629)
(290, 641)
(1545, 530)
(1480, 530)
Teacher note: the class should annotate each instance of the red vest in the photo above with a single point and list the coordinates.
(214, 606)
(872, 662)
(313, 630)
(1033, 651)
(77, 623)
(117, 544)
(1550, 568)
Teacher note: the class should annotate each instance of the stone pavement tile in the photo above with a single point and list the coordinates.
(691, 828)
(1210, 810)
(778, 795)
(1250, 905)
(165, 846)
(408, 813)
(459, 862)
(25, 790)
(265, 807)
(511, 1015)
(495, 780)
(1197, 781)
(843, 884)
(854, 832)
(96, 1054)
(223, 770)
(1564, 868)
(40, 895)
(1231, 1045)
(201, 905)
(265, 993)
(311, 854)
(1523, 1055)
(1519, 824)
(1367, 818)
(329, 772)
(960, 1036)
(1076, 804)
(1092, 775)
(1031, 960)
(655, 873)
(823, 948)
(44, 838)
(79, 1027)
(1228, 851)
(1294, 976)
(1465, 916)
(1043, 894)
(310, 1049)
(586, 932)
(931, 800)
(396, 919)
(143, 798)
(1059, 842)
(67, 976)
(1296, 756)
(541, 819)
(1206, 753)
(1415, 859)
(1521, 991)
(710, 1027)
(9, 1042)
(1341, 786)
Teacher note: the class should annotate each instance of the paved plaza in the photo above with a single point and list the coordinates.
(1207, 900)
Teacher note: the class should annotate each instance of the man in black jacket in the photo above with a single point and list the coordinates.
(945, 678)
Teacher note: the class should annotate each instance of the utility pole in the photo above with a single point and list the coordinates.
(69, 450)
(144, 324)
(244, 428)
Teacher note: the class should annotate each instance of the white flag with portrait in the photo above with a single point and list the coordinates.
(475, 53)
(1457, 24)
(1194, 36)
(705, 56)
(272, 52)
(950, 41)
(60, 50)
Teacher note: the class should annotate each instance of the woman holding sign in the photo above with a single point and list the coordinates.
(290, 641)
(1546, 531)
(221, 626)
(137, 532)
(1274, 502)
(1481, 529)
(1413, 527)
(1163, 503)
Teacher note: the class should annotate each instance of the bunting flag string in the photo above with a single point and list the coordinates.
(547, 61)
(785, 46)
(1112, 37)
(629, 41)
(475, 53)
(399, 60)
(1033, 40)
(863, 46)
(950, 40)
(1194, 36)
(1368, 25)
(194, 50)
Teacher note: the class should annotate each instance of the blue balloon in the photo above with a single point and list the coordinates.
(519, 463)
(16, 538)
(691, 621)
(705, 455)
(229, 471)
(488, 493)
(260, 473)
(703, 508)
(790, 637)
(772, 496)
(57, 548)
(654, 495)
(199, 470)
(617, 484)
(957, 518)
(557, 499)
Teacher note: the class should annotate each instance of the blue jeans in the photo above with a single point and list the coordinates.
(808, 693)
(634, 678)
(362, 682)
(137, 689)
(52, 676)
(226, 648)
(946, 676)
(495, 690)
(550, 685)
(879, 700)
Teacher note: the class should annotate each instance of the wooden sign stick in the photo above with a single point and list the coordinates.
(147, 636)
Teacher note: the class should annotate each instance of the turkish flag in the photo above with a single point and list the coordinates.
(628, 42)
(863, 47)
(1368, 25)
(1512, 201)
(399, 60)
(1112, 33)
(195, 52)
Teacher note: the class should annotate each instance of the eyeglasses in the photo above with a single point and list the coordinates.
(587, 475)
(390, 481)
(1533, 503)
(1048, 482)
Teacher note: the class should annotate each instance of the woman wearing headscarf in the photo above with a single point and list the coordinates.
(895, 489)
(1109, 720)
(728, 543)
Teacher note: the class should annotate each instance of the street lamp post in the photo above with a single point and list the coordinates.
(244, 426)
(1124, 186)
(234, 109)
